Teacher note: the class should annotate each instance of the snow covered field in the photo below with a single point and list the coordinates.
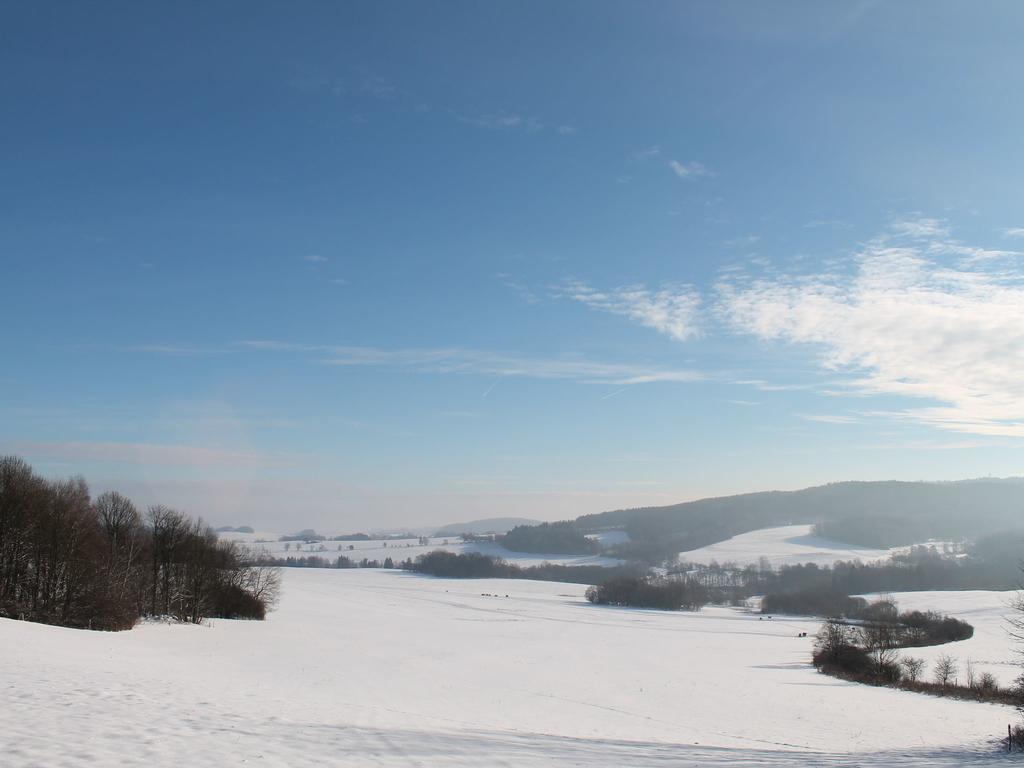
(786, 545)
(401, 549)
(383, 668)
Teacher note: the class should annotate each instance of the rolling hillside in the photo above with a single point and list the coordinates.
(878, 515)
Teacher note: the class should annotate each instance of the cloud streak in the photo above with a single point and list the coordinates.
(672, 309)
(904, 323)
(507, 121)
(459, 360)
(690, 170)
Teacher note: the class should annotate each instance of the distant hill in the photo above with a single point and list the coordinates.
(499, 525)
(238, 529)
(873, 514)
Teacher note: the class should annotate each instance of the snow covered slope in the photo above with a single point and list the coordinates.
(381, 668)
(786, 545)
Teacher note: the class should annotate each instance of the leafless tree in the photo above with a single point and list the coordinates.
(987, 683)
(1017, 633)
(945, 670)
(168, 529)
(969, 674)
(122, 524)
(912, 668)
(881, 639)
(66, 560)
(832, 640)
(22, 494)
(262, 582)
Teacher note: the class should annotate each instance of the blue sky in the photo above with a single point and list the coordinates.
(377, 264)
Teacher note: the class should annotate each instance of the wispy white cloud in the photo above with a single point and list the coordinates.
(350, 85)
(690, 170)
(825, 418)
(458, 360)
(905, 323)
(524, 291)
(672, 309)
(645, 153)
(832, 223)
(742, 240)
(504, 121)
(768, 386)
(969, 253)
(379, 88)
(1013, 232)
(176, 350)
(920, 227)
(942, 445)
(315, 258)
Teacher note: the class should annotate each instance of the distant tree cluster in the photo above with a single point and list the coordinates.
(868, 652)
(318, 561)
(650, 592)
(813, 602)
(67, 559)
(305, 535)
(478, 538)
(549, 539)
(473, 565)
(910, 629)
(469, 565)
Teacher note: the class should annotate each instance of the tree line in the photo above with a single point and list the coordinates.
(990, 563)
(316, 561)
(474, 565)
(868, 652)
(68, 559)
(563, 538)
(650, 592)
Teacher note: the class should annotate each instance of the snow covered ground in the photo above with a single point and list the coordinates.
(786, 545)
(609, 538)
(401, 549)
(383, 668)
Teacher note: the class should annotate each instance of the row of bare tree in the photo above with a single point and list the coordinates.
(100, 564)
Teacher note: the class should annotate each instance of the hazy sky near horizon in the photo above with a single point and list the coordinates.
(372, 264)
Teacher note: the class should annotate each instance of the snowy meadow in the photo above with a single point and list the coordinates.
(374, 667)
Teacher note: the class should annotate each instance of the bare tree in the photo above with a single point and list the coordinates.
(945, 670)
(168, 529)
(833, 639)
(1017, 633)
(881, 639)
(969, 674)
(122, 524)
(22, 494)
(263, 583)
(987, 683)
(912, 668)
(66, 560)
